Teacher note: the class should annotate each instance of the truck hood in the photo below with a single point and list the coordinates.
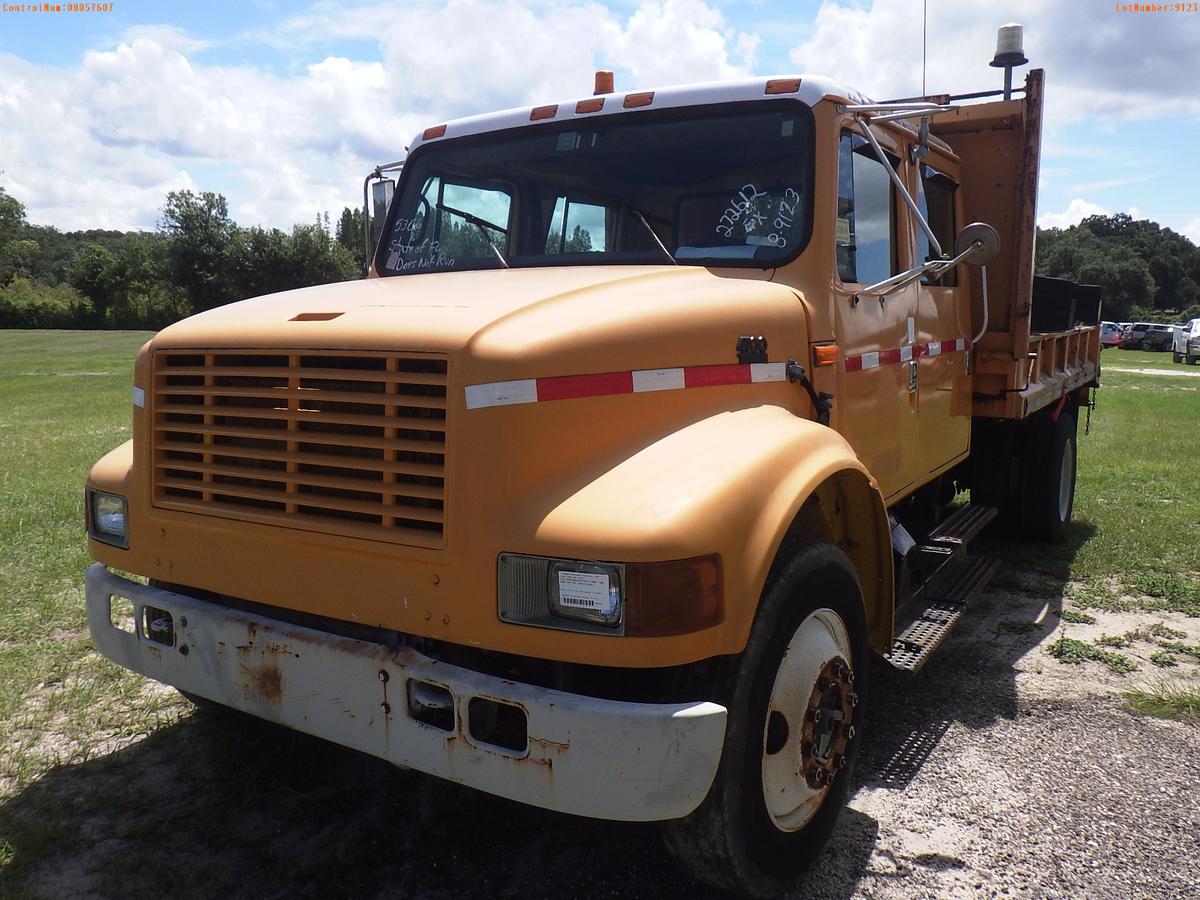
(516, 323)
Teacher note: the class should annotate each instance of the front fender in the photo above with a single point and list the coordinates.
(734, 484)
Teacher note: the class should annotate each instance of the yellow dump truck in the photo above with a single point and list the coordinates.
(642, 436)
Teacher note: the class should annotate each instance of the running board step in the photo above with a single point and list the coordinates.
(945, 602)
(962, 525)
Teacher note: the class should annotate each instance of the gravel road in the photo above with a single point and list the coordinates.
(995, 772)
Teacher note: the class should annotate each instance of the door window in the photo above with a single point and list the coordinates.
(866, 223)
(935, 198)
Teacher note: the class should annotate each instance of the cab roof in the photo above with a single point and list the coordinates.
(808, 89)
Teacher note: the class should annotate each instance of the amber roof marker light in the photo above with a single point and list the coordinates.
(604, 82)
(782, 86)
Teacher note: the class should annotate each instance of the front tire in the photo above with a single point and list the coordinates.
(1178, 358)
(793, 732)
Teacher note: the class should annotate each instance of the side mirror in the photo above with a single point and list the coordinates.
(977, 244)
(381, 198)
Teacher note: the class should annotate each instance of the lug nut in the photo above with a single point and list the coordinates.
(816, 715)
(840, 762)
(853, 699)
(849, 677)
(849, 732)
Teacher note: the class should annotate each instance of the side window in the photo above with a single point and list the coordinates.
(935, 197)
(576, 228)
(865, 238)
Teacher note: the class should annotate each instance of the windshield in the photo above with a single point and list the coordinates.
(706, 186)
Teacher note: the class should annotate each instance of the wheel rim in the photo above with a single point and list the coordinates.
(808, 726)
(1066, 479)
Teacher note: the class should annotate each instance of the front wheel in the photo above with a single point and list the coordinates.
(794, 729)
(1178, 358)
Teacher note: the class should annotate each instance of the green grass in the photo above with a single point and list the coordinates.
(1142, 359)
(1167, 699)
(1135, 541)
(1075, 652)
(1164, 659)
(64, 402)
(1077, 618)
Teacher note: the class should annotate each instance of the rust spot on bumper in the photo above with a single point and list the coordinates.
(266, 681)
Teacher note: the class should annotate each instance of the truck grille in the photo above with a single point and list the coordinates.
(335, 442)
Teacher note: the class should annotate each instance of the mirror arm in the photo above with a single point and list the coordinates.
(936, 266)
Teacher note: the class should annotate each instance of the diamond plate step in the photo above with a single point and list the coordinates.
(962, 525)
(944, 602)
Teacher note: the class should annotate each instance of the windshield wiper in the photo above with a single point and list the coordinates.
(608, 200)
(482, 225)
(661, 246)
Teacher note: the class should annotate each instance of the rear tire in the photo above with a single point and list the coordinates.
(1178, 358)
(1048, 482)
(784, 773)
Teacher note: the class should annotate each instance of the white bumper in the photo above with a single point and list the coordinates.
(601, 758)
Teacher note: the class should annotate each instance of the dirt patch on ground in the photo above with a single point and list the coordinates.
(996, 771)
(1195, 374)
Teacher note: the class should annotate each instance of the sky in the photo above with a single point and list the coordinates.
(285, 107)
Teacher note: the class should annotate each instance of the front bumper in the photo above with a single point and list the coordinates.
(605, 759)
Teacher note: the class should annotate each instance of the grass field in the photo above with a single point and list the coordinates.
(69, 720)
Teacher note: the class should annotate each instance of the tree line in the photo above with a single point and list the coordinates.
(199, 258)
(1148, 273)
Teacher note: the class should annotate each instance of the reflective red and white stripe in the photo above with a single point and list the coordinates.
(897, 355)
(566, 387)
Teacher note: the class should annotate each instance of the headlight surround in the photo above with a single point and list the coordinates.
(108, 518)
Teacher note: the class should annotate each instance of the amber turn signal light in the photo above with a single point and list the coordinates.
(825, 355)
(435, 132)
(675, 597)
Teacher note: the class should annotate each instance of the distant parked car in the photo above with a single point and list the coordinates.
(1147, 336)
(1110, 335)
(1187, 342)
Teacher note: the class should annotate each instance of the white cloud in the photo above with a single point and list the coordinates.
(1077, 210)
(1101, 64)
(167, 36)
(1090, 187)
(101, 144)
(1192, 231)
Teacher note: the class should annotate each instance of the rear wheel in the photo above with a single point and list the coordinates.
(794, 729)
(1178, 358)
(1048, 495)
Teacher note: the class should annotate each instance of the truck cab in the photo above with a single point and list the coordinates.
(601, 491)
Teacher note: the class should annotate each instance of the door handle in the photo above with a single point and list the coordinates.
(912, 376)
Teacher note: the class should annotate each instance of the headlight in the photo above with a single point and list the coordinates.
(634, 599)
(574, 595)
(590, 592)
(108, 519)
